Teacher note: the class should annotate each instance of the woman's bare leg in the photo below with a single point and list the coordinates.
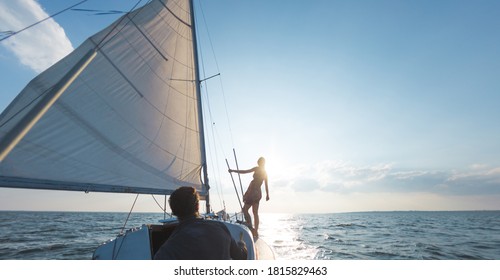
(255, 211)
(248, 219)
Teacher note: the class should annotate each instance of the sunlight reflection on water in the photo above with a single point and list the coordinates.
(282, 232)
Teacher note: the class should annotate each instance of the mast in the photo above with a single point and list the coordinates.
(200, 111)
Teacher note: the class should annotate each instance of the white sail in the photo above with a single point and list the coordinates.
(128, 123)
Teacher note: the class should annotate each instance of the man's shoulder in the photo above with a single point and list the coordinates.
(212, 225)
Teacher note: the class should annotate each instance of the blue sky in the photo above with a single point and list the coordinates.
(357, 105)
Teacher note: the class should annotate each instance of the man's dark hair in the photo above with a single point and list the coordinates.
(184, 202)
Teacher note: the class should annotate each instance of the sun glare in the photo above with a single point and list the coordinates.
(274, 167)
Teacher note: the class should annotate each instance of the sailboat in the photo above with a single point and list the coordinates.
(122, 113)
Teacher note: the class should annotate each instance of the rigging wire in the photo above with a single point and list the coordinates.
(25, 107)
(98, 46)
(225, 106)
(218, 179)
(164, 208)
(100, 12)
(157, 203)
(238, 168)
(215, 134)
(234, 184)
(130, 212)
(205, 88)
(12, 33)
(218, 71)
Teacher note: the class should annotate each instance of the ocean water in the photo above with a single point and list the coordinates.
(387, 236)
(340, 236)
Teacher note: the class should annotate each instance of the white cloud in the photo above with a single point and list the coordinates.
(38, 47)
(342, 177)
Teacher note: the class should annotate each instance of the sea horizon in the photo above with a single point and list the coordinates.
(278, 213)
(373, 235)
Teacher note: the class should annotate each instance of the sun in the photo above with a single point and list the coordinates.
(274, 167)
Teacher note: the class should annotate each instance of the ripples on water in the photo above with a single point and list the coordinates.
(371, 235)
(61, 235)
(391, 235)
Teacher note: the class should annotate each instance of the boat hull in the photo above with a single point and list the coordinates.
(142, 243)
(135, 244)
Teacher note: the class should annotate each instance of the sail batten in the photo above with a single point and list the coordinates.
(128, 123)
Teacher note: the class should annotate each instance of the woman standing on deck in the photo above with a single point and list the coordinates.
(252, 196)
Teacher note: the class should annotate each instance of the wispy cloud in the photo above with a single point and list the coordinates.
(342, 177)
(38, 47)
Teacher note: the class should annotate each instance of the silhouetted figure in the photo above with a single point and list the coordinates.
(252, 196)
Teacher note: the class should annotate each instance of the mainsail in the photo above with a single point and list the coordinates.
(128, 123)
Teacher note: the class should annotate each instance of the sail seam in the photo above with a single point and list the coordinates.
(118, 70)
(147, 39)
(187, 24)
(176, 30)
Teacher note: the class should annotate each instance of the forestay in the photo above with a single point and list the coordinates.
(128, 123)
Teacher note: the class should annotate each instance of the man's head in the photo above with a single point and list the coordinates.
(184, 202)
